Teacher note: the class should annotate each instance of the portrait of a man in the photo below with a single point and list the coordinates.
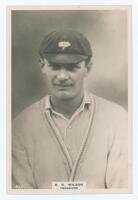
(70, 133)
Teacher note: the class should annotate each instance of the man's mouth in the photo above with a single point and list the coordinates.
(62, 85)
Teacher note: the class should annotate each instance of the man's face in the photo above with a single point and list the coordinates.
(65, 81)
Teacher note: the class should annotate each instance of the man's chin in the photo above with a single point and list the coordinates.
(63, 95)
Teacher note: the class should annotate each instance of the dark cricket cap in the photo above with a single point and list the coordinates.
(65, 47)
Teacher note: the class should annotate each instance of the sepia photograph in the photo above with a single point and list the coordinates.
(69, 106)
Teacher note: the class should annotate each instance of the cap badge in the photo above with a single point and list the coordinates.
(64, 44)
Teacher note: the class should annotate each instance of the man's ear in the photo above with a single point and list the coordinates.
(41, 62)
(89, 66)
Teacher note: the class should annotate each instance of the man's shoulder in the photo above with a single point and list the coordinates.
(109, 114)
(30, 112)
(108, 107)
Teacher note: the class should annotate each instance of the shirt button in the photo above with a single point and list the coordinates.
(69, 127)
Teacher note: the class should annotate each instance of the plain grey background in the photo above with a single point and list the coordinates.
(107, 32)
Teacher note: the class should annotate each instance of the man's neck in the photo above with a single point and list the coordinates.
(66, 107)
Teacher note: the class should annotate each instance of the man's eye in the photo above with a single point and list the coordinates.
(73, 67)
(54, 66)
(70, 68)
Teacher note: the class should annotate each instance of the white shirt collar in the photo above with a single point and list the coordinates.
(86, 100)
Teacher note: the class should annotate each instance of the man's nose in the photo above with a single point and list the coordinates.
(62, 75)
